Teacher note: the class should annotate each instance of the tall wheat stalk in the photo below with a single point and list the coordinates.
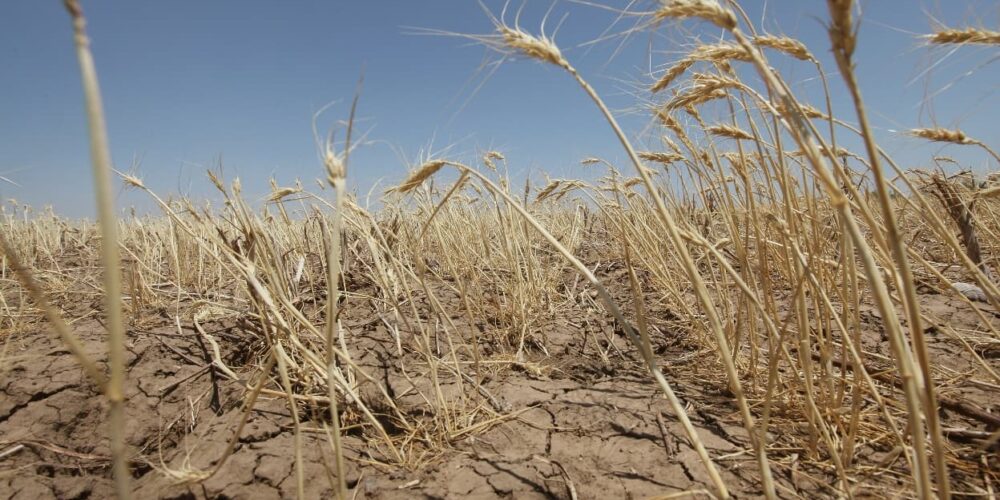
(843, 37)
(100, 158)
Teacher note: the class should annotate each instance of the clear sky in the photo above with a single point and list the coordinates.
(187, 82)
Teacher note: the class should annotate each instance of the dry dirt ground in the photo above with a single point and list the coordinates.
(576, 425)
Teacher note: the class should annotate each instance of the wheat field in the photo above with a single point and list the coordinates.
(750, 310)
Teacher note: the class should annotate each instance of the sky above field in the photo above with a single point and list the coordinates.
(190, 84)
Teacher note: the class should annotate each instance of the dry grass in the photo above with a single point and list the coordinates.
(766, 260)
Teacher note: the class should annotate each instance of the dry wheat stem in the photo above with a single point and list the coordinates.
(964, 36)
(101, 161)
(843, 55)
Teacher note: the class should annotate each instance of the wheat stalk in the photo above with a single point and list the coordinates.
(785, 44)
(101, 161)
(964, 36)
(709, 10)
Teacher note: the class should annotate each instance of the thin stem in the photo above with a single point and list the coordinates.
(100, 158)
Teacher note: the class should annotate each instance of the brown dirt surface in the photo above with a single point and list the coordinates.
(580, 421)
(575, 427)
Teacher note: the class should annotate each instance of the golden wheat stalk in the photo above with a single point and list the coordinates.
(548, 190)
(670, 75)
(785, 44)
(709, 10)
(418, 176)
(719, 52)
(490, 156)
(658, 157)
(541, 47)
(939, 134)
(953, 136)
(964, 36)
(282, 193)
(100, 157)
(729, 131)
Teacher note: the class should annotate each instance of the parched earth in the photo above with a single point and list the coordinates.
(578, 430)
(574, 426)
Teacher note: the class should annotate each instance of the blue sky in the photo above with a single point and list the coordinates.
(186, 83)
